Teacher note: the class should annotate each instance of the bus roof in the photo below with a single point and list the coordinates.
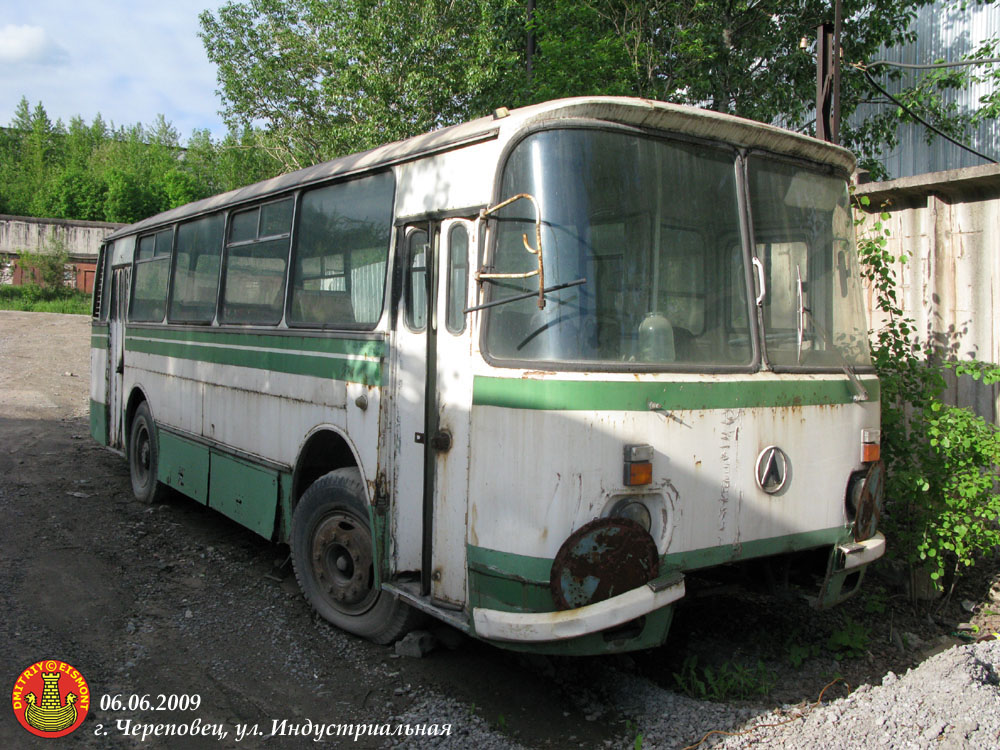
(644, 113)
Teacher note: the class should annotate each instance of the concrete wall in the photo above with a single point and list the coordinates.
(82, 239)
(948, 224)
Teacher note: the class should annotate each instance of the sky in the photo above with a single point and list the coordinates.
(128, 60)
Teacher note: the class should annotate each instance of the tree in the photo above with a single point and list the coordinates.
(740, 57)
(325, 77)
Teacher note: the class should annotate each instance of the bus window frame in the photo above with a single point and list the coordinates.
(389, 256)
(156, 257)
(220, 318)
(173, 264)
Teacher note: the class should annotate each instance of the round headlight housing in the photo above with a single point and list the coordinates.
(633, 509)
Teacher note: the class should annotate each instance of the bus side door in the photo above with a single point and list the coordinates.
(449, 441)
(116, 355)
(432, 394)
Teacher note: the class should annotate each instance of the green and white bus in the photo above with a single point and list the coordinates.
(524, 374)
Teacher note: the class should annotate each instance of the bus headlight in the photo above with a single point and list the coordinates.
(633, 509)
(864, 500)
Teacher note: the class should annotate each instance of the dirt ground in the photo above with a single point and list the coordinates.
(175, 599)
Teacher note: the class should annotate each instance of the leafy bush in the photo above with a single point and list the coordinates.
(33, 298)
(942, 462)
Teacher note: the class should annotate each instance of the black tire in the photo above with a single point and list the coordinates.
(143, 457)
(332, 553)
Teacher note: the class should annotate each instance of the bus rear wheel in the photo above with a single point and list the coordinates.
(143, 457)
(334, 560)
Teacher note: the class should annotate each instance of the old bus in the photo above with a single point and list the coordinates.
(524, 374)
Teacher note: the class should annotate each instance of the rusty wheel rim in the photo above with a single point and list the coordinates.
(143, 456)
(341, 558)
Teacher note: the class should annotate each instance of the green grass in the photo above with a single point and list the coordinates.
(32, 298)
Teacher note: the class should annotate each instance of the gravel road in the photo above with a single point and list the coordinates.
(176, 599)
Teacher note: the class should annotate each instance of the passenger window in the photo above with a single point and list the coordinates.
(195, 280)
(256, 256)
(338, 276)
(458, 278)
(415, 283)
(152, 268)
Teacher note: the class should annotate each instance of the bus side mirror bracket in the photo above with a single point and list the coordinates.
(539, 271)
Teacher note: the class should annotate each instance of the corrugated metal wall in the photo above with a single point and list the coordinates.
(949, 228)
(944, 32)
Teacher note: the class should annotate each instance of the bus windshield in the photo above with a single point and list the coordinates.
(813, 313)
(654, 227)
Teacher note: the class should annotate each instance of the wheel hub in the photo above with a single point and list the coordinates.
(342, 561)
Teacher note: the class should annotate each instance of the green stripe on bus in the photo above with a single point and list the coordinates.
(291, 362)
(98, 422)
(99, 341)
(578, 395)
(374, 348)
(512, 582)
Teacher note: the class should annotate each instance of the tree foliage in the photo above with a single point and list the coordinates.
(327, 77)
(324, 78)
(98, 172)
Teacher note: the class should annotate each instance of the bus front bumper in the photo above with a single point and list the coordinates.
(856, 554)
(494, 624)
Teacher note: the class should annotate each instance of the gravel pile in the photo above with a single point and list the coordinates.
(950, 701)
(468, 730)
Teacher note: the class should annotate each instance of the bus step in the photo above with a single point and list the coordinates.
(409, 592)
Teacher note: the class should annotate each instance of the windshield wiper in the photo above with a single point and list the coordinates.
(526, 295)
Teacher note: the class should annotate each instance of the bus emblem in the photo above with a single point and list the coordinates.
(772, 469)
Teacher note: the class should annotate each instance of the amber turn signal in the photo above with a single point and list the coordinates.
(638, 472)
(870, 452)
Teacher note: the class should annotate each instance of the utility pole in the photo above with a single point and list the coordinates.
(828, 78)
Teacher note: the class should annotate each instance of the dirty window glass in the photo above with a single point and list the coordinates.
(653, 228)
(415, 283)
(256, 256)
(196, 270)
(813, 311)
(152, 269)
(458, 278)
(338, 276)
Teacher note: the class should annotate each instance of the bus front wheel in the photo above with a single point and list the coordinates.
(143, 457)
(334, 561)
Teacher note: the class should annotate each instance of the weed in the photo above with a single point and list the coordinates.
(850, 641)
(632, 728)
(728, 681)
(33, 298)
(876, 601)
(798, 653)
